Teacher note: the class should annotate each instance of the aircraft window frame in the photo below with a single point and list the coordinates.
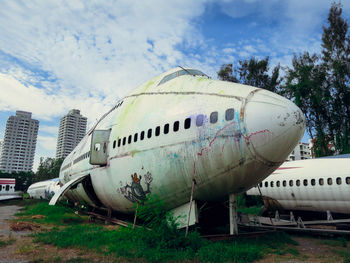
(271, 184)
(168, 77)
(135, 137)
(214, 117)
(313, 182)
(290, 182)
(119, 142)
(149, 133)
(7, 188)
(297, 182)
(199, 120)
(305, 182)
(278, 184)
(187, 123)
(284, 183)
(114, 143)
(129, 139)
(338, 181)
(181, 72)
(321, 181)
(266, 184)
(329, 181)
(260, 184)
(229, 114)
(142, 135)
(124, 140)
(157, 131)
(194, 72)
(347, 180)
(176, 126)
(166, 128)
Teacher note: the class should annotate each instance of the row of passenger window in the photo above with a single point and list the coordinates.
(229, 115)
(305, 182)
(66, 166)
(82, 157)
(5, 188)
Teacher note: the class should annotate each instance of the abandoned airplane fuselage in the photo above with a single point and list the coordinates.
(179, 127)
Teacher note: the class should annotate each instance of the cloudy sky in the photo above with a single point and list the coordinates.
(58, 55)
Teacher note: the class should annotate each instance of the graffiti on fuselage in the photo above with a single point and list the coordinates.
(135, 192)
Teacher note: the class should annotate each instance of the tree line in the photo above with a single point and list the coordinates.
(318, 83)
(49, 168)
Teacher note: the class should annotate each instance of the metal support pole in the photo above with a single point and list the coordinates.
(233, 214)
(137, 207)
(189, 211)
(264, 204)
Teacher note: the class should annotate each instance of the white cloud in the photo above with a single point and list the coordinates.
(92, 53)
(229, 50)
(47, 142)
(99, 49)
(49, 129)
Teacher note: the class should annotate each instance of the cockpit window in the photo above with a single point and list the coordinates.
(181, 72)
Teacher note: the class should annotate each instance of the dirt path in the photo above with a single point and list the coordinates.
(8, 252)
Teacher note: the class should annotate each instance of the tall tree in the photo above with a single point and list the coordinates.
(253, 72)
(336, 60)
(319, 84)
(48, 169)
(304, 84)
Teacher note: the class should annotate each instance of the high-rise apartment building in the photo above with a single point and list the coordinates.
(19, 143)
(72, 130)
(1, 144)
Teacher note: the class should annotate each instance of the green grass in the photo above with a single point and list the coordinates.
(338, 242)
(142, 243)
(5, 243)
(164, 243)
(57, 214)
(344, 254)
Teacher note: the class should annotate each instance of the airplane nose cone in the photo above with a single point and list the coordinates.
(274, 125)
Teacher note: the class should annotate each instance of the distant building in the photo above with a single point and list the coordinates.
(19, 143)
(72, 130)
(300, 152)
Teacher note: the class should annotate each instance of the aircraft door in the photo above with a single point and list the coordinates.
(99, 145)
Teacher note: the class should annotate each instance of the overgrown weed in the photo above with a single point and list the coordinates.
(163, 243)
(57, 214)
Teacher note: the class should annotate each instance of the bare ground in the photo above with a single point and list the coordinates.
(20, 248)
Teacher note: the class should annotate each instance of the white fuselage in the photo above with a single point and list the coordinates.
(7, 189)
(44, 189)
(225, 136)
(310, 185)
